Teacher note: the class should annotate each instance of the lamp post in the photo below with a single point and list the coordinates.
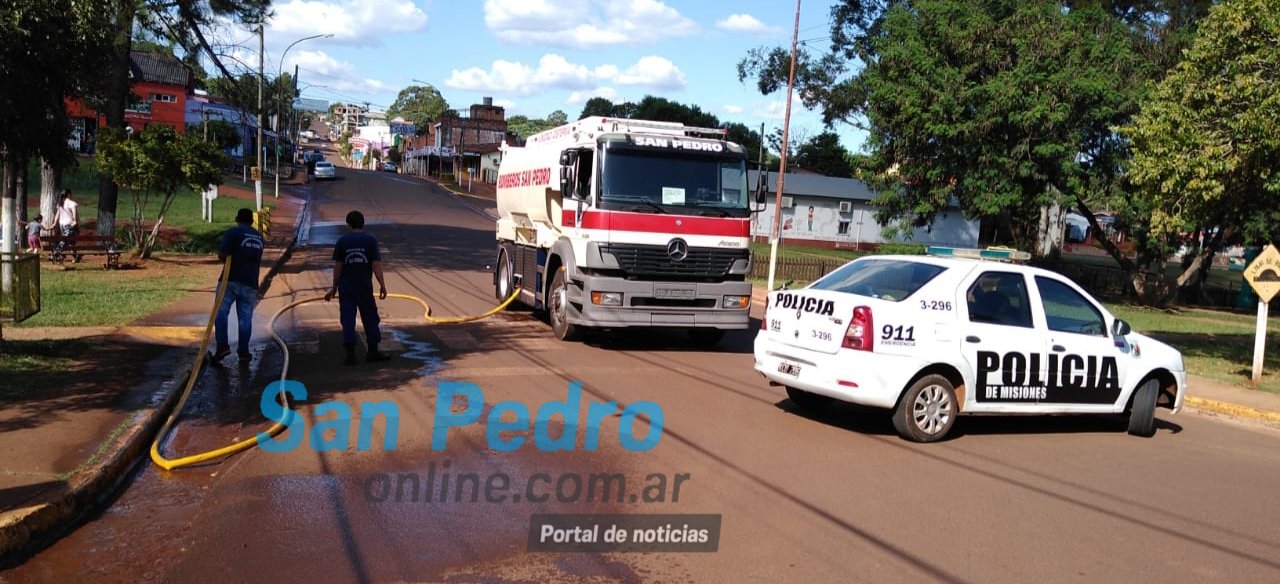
(279, 72)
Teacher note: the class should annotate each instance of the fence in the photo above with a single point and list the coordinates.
(22, 301)
(801, 271)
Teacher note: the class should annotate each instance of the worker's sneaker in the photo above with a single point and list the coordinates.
(220, 354)
(351, 357)
(376, 356)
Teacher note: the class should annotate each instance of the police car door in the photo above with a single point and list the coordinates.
(1086, 365)
(1002, 343)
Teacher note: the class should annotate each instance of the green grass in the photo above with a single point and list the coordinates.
(91, 296)
(184, 214)
(33, 364)
(1214, 344)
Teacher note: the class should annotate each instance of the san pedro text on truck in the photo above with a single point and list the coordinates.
(612, 224)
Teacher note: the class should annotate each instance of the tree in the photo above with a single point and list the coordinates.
(823, 153)
(419, 105)
(861, 51)
(158, 162)
(1207, 145)
(599, 106)
(523, 126)
(181, 23)
(557, 118)
(49, 50)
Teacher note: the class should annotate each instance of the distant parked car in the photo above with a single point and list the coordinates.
(324, 169)
(389, 167)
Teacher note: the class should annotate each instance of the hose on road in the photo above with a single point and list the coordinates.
(279, 425)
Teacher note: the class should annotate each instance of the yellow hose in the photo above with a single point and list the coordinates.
(278, 426)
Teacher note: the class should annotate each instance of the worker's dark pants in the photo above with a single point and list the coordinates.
(349, 301)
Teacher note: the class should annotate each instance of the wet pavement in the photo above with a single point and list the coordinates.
(833, 496)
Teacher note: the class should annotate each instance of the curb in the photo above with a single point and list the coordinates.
(1232, 410)
(26, 531)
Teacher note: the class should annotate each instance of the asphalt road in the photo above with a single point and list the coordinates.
(837, 497)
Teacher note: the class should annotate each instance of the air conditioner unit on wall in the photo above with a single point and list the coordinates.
(846, 206)
(788, 202)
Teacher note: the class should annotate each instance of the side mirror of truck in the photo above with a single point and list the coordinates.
(1120, 328)
(568, 174)
(568, 183)
(760, 196)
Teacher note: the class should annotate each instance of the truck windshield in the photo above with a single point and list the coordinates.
(675, 184)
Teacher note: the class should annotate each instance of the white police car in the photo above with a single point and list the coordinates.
(934, 337)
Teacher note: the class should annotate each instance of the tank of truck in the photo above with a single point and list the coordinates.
(528, 190)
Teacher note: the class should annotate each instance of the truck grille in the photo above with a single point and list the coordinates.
(652, 260)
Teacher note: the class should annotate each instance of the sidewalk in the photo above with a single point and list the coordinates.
(67, 449)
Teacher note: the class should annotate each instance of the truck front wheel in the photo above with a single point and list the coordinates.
(504, 283)
(558, 308)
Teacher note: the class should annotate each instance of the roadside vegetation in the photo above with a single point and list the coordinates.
(91, 296)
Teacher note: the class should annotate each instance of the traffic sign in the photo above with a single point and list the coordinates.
(1264, 273)
(255, 173)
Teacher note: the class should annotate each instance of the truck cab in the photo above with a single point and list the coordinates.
(614, 224)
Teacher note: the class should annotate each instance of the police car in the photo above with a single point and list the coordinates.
(953, 333)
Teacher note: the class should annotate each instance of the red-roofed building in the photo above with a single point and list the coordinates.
(160, 84)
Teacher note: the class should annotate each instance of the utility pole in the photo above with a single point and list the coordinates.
(262, 149)
(782, 165)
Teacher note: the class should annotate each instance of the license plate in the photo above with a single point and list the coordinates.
(789, 369)
(675, 293)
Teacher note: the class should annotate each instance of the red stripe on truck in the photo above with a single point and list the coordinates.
(653, 223)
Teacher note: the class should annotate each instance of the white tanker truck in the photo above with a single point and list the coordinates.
(615, 223)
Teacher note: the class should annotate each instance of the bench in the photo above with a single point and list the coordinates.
(60, 247)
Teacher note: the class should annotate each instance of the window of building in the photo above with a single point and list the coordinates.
(842, 228)
(164, 97)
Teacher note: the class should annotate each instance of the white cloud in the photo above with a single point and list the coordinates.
(556, 72)
(652, 71)
(733, 109)
(585, 23)
(581, 97)
(506, 104)
(744, 23)
(355, 22)
(340, 76)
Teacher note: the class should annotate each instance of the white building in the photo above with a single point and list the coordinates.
(826, 211)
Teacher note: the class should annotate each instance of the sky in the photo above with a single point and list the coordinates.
(537, 56)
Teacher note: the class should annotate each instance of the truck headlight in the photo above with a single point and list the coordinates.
(735, 301)
(606, 298)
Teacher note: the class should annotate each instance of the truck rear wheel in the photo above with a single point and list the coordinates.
(558, 308)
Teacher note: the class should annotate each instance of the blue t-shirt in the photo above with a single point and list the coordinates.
(357, 251)
(244, 245)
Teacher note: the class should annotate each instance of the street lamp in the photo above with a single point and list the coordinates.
(279, 72)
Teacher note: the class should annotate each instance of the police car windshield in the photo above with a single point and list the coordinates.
(885, 279)
(674, 181)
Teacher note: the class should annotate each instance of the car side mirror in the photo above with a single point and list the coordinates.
(1120, 328)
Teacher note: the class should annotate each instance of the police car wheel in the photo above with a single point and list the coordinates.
(558, 309)
(1142, 414)
(808, 400)
(927, 411)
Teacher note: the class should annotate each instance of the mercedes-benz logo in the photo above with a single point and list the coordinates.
(677, 250)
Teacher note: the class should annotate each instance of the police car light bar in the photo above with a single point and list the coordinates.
(1002, 254)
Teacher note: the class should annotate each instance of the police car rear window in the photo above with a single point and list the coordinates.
(892, 280)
